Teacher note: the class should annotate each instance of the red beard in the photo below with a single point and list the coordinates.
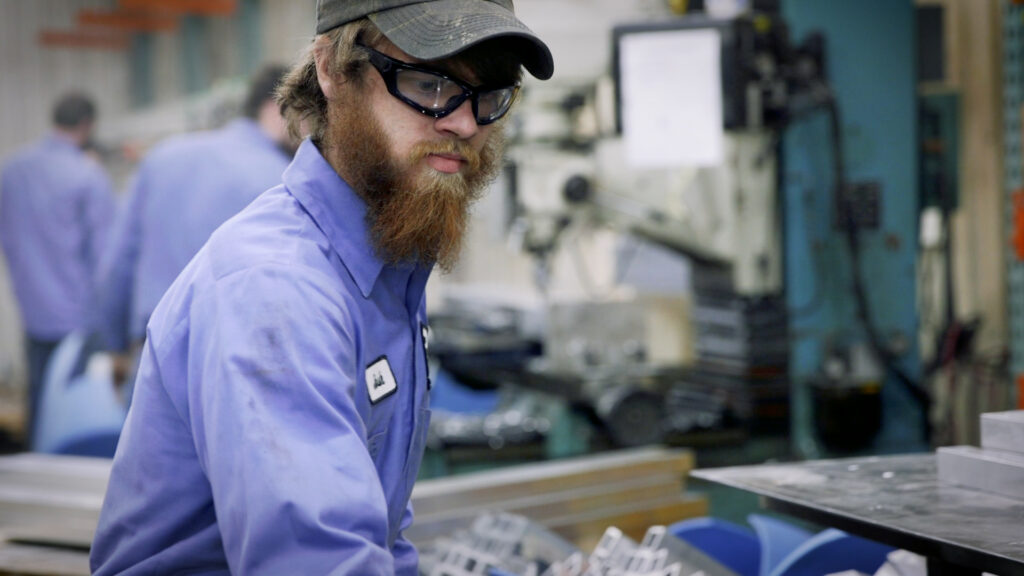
(415, 214)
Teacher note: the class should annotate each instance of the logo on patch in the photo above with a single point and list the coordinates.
(380, 380)
(425, 336)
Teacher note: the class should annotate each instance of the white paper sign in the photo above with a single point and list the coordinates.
(671, 87)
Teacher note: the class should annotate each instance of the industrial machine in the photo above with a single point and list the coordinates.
(676, 147)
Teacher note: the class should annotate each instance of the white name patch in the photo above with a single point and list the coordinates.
(380, 380)
(425, 335)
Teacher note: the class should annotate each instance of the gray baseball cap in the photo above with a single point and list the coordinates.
(434, 29)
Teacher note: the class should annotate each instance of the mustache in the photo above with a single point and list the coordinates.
(460, 147)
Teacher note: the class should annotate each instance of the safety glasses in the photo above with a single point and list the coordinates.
(437, 95)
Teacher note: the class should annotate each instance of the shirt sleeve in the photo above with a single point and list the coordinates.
(11, 175)
(116, 273)
(99, 213)
(407, 559)
(272, 371)
(5, 232)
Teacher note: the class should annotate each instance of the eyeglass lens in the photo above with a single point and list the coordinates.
(427, 90)
(440, 95)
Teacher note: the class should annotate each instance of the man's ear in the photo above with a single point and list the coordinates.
(328, 83)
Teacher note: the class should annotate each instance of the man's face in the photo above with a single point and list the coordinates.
(419, 175)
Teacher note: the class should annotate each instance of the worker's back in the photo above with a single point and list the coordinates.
(185, 188)
(203, 184)
(55, 205)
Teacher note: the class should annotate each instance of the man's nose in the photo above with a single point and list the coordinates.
(461, 122)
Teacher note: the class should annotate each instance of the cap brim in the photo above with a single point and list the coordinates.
(441, 28)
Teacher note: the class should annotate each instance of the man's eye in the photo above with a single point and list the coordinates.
(415, 84)
(427, 86)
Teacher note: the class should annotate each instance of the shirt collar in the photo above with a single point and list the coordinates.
(337, 210)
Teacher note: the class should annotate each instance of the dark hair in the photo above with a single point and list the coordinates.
(73, 110)
(263, 88)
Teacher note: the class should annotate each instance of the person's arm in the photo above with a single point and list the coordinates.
(115, 276)
(272, 373)
(5, 231)
(99, 213)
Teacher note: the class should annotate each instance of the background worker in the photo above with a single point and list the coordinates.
(185, 188)
(282, 401)
(56, 205)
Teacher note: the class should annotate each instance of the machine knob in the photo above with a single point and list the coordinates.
(631, 416)
(577, 189)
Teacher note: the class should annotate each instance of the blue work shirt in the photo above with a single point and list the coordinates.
(56, 205)
(185, 188)
(281, 405)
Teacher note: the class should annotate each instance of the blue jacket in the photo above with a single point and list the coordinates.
(185, 188)
(56, 205)
(281, 405)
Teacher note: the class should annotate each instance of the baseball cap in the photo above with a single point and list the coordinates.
(434, 29)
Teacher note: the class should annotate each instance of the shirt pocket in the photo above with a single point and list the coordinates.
(375, 442)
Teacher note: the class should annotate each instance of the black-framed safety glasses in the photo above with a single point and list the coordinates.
(437, 95)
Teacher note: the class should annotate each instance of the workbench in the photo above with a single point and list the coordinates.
(895, 500)
(50, 505)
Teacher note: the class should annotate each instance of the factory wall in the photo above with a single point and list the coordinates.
(34, 75)
(196, 75)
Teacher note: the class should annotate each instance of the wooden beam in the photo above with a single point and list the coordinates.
(132, 21)
(83, 39)
(200, 7)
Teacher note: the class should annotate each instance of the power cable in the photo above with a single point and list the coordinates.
(863, 308)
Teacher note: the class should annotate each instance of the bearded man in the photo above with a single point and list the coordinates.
(281, 403)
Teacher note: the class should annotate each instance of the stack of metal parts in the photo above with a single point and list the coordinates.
(496, 541)
(997, 466)
(576, 498)
(690, 409)
(742, 350)
(658, 554)
(507, 544)
(519, 418)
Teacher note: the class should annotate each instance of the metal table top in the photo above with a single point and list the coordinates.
(896, 500)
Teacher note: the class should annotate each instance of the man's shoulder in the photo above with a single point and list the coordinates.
(256, 263)
(23, 156)
(274, 230)
(63, 160)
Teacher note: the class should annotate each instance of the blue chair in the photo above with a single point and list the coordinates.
(731, 545)
(79, 412)
(832, 551)
(777, 537)
(447, 394)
